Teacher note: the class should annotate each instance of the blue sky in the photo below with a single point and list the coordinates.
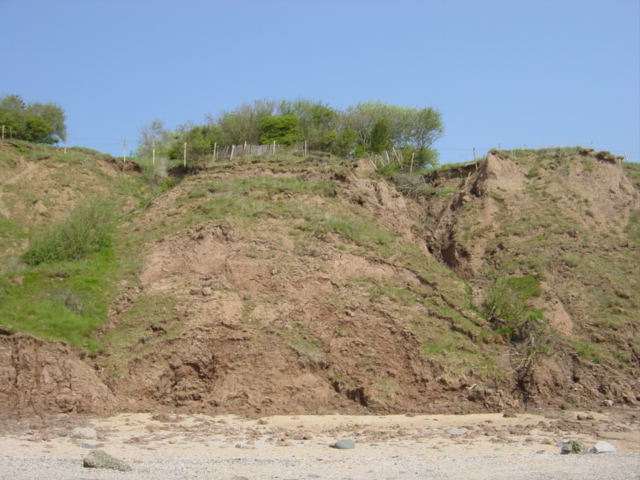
(502, 73)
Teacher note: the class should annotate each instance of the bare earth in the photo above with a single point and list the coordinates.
(495, 446)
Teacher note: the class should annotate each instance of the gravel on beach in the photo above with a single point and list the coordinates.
(347, 466)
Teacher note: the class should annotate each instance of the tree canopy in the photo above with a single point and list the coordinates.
(35, 122)
(365, 127)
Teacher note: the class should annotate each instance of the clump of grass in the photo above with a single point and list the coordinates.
(506, 306)
(86, 230)
(197, 192)
(533, 172)
(587, 351)
(571, 259)
(302, 340)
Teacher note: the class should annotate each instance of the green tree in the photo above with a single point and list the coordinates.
(318, 122)
(154, 136)
(243, 124)
(281, 129)
(38, 122)
(53, 115)
(425, 128)
(38, 130)
(380, 136)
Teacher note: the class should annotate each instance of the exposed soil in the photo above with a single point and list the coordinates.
(300, 312)
(38, 377)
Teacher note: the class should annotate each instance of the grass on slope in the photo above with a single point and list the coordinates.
(60, 301)
(69, 273)
(592, 271)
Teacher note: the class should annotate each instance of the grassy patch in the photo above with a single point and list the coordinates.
(147, 321)
(271, 184)
(64, 301)
(633, 228)
(86, 230)
(461, 354)
(588, 351)
(300, 338)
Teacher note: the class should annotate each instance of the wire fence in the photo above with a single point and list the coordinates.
(235, 152)
(230, 153)
(447, 154)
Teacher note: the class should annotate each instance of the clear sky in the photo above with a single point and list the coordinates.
(503, 73)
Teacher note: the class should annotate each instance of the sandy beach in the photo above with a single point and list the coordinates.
(481, 446)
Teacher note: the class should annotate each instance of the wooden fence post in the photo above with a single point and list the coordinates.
(413, 154)
(184, 155)
(215, 148)
(233, 147)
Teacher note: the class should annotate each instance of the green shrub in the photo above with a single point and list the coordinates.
(533, 172)
(506, 306)
(87, 229)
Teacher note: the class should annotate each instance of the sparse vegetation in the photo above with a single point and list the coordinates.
(86, 230)
(506, 306)
(305, 256)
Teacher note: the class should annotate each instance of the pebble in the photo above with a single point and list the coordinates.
(456, 431)
(572, 446)
(84, 433)
(344, 444)
(602, 447)
(100, 459)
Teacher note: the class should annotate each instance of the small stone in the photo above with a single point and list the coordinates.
(88, 446)
(84, 433)
(572, 446)
(456, 431)
(344, 444)
(602, 447)
(607, 403)
(100, 459)
(207, 292)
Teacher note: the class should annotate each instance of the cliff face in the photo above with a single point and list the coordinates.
(567, 218)
(291, 285)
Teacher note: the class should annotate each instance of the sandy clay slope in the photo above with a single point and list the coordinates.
(289, 285)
